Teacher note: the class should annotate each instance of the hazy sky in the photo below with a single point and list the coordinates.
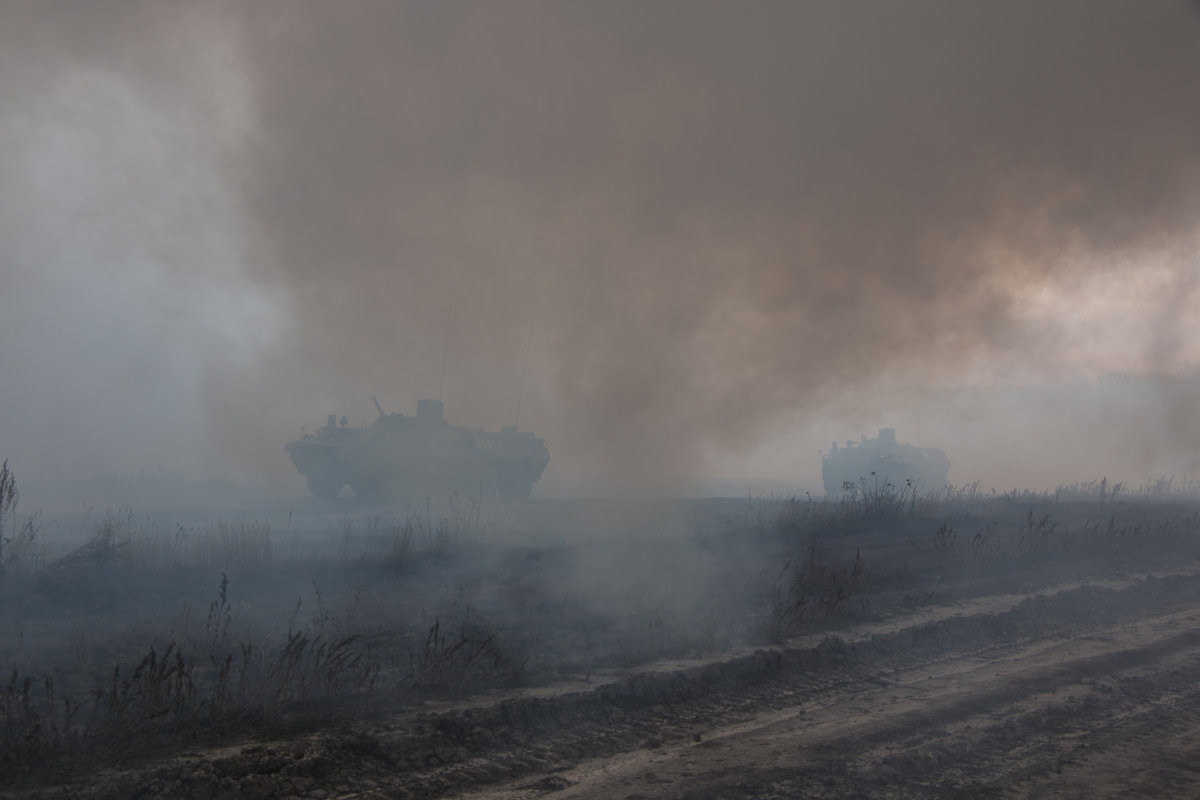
(720, 235)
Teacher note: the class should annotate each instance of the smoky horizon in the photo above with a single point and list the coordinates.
(689, 244)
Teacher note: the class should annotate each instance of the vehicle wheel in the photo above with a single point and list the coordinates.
(323, 487)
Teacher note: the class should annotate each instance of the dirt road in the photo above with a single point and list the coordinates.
(1087, 691)
(1084, 700)
(1113, 712)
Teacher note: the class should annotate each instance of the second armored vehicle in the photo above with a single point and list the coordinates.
(403, 457)
(880, 461)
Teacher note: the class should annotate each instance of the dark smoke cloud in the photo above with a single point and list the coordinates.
(701, 222)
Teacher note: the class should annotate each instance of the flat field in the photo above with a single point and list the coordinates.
(956, 645)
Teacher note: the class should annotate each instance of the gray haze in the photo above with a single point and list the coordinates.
(720, 235)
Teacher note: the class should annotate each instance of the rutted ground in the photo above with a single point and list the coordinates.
(1087, 692)
(1032, 717)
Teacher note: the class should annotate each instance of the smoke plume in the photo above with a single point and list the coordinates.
(685, 238)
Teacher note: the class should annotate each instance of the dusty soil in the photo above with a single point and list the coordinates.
(1079, 690)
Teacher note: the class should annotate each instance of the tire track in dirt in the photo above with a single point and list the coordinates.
(981, 704)
(927, 734)
(971, 725)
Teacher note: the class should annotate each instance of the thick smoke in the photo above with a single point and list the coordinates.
(686, 237)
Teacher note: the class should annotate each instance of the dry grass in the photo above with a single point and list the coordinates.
(122, 638)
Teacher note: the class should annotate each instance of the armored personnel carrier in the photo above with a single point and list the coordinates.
(881, 461)
(403, 457)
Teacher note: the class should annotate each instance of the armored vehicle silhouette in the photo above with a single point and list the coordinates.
(881, 461)
(403, 457)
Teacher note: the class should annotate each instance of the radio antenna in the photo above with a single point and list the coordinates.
(446, 339)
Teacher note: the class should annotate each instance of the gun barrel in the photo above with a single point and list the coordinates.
(378, 407)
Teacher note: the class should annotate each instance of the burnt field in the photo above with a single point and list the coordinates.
(955, 644)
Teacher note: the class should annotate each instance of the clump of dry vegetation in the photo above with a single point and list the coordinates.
(158, 634)
(19, 541)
